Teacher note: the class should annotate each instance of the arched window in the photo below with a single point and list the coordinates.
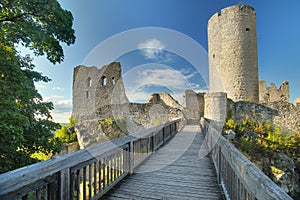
(113, 80)
(89, 82)
(103, 81)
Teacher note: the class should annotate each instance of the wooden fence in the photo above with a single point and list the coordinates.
(240, 178)
(88, 173)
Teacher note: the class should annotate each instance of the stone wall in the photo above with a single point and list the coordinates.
(215, 107)
(272, 93)
(297, 103)
(99, 94)
(168, 100)
(280, 113)
(232, 51)
(193, 104)
(94, 88)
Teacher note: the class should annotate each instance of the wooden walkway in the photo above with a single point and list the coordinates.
(175, 171)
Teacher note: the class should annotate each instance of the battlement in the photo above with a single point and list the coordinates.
(272, 93)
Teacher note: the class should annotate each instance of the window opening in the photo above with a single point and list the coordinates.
(103, 80)
(89, 82)
(113, 80)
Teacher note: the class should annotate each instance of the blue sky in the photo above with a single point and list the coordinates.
(97, 21)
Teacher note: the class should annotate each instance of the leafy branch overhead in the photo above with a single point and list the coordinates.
(25, 119)
(37, 24)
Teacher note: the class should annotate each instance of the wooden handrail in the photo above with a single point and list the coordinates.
(239, 177)
(88, 173)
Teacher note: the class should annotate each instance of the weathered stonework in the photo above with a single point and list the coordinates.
(215, 106)
(280, 113)
(232, 51)
(166, 98)
(99, 94)
(94, 88)
(193, 104)
(297, 103)
(272, 94)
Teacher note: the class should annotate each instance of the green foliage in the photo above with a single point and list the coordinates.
(39, 25)
(157, 122)
(270, 139)
(114, 122)
(25, 120)
(114, 127)
(63, 134)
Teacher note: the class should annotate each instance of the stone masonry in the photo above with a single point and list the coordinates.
(232, 51)
(272, 94)
(94, 88)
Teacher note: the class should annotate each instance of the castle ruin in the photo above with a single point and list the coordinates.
(233, 66)
(99, 94)
(272, 94)
(95, 88)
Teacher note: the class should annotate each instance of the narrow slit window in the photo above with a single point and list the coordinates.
(247, 29)
(89, 82)
(87, 94)
(103, 80)
(113, 80)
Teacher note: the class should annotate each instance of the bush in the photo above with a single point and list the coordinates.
(63, 134)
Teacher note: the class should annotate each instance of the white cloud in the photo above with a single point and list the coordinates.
(170, 79)
(39, 86)
(53, 98)
(62, 108)
(154, 49)
(58, 89)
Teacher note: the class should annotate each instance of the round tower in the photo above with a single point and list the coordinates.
(232, 51)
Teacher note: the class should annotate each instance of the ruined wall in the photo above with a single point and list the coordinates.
(272, 94)
(279, 113)
(99, 94)
(232, 51)
(193, 104)
(169, 100)
(94, 88)
(297, 103)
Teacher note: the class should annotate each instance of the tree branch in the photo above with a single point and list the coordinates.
(14, 18)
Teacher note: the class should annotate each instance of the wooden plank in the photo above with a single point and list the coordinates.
(173, 172)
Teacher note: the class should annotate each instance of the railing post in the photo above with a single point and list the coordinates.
(131, 157)
(64, 186)
(164, 133)
(152, 142)
(219, 164)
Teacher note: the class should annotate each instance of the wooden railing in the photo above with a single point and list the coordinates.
(88, 173)
(239, 177)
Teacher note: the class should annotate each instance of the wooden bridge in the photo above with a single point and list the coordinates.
(164, 162)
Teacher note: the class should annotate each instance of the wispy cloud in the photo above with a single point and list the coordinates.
(154, 49)
(39, 86)
(62, 107)
(58, 89)
(171, 80)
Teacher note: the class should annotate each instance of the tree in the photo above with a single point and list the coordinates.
(25, 120)
(63, 134)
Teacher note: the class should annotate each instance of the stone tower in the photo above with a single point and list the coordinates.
(232, 51)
